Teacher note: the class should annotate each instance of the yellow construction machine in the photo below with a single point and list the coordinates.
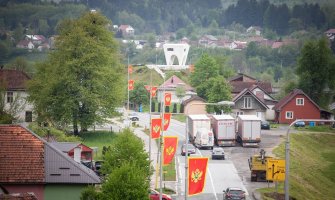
(257, 165)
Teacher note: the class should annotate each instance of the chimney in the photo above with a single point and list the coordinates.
(77, 154)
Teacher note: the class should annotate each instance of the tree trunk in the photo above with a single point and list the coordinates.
(75, 123)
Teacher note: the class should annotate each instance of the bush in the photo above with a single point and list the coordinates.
(181, 110)
(167, 109)
(174, 108)
(153, 104)
(159, 107)
(6, 118)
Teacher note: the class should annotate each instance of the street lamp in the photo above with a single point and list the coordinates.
(228, 103)
(287, 151)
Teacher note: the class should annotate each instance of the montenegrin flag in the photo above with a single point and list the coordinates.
(130, 69)
(153, 91)
(130, 84)
(156, 125)
(167, 99)
(170, 147)
(197, 167)
(167, 118)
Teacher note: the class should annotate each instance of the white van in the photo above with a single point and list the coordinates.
(204, 138)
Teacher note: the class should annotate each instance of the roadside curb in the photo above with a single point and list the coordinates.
(256, 195)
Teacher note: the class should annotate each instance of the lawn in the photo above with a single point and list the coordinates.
(98, 139)
(312, 166)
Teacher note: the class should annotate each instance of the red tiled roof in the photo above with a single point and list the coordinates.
(13, 79)
(289, 97)
(26, 153)
(174, 81)
(331, 30)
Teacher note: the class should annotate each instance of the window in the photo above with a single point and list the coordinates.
(239, 113)
(300, 101)
(10, 97)
(29, 116)
(169, 49)
(247, 102)
(289, 115)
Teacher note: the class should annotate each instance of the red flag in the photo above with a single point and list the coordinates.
(167, 118)
(197, 167)
(153, 91)
(156, 125)
(170, 147)
(130, 69)
(131, 84)
(167, 99)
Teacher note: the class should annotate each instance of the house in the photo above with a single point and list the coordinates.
(256, 30)
(247, 103)
(171, 86)
(15, 84)
(69, 148)
(208, 40)
(330, 34)
(127, 30)
(194, 105)
(43, 47)
(31, 165)
(267, 99)
(25, 44)
(36, 39)
(242, 81)
(237, 45)
(278, 44)
(296, 105)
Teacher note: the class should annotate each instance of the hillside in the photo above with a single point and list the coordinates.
(312, 165)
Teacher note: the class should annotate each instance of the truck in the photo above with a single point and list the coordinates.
(200, 131)
(224, 130)
(257, 165)
(249, 130)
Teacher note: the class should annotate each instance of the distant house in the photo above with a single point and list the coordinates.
(267, 99)
(31, 165)
(171, 86)
(296, 105)
(256, 30)
(85, 153)
(208, 41)
(247, 103)
(36, 39)
(238, 45)
(330, 34)
(15, 84)
(127, 30)
(278, 44)
(25, 44)
(194, 105)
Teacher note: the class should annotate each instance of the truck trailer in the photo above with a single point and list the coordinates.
(249, 130)
(224, 130)
(200, 131)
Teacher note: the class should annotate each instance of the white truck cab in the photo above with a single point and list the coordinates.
(204, 138)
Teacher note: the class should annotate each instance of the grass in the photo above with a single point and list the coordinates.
(181, 117)
(98, 139)
(319, 128)
(169, 171)
(312, 166)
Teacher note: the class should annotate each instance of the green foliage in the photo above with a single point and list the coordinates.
(139, 95)
(90, 193)
(174, 108)
(218, 89)
(98, 139)
(128, 182)
(81, 82)
(5, 118)
(316, 67)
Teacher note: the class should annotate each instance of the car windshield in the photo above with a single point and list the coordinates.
(217, 150)
(236, 192)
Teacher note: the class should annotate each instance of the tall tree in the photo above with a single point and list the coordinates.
(316, 68)
(81, 81)
(218, 89)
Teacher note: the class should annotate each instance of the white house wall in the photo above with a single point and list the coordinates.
(25, 106)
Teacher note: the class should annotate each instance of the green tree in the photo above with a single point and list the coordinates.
(81, 82)
(180, 92)
(139, 95)
(218, 89)
(316, 68)
(204, 69)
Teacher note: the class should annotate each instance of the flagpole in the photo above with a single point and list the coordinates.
(162, 136)
(128, 91)
(150, 137)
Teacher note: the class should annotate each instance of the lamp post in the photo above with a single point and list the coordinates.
(287, 152)
(229, 103)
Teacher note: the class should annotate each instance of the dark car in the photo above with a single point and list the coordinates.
(265, 125)
(133, 117)
(218, 153)
(190, 149)
(299, 124)
(233, 193)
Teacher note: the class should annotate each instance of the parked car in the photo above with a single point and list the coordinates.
(218, 153)
(299, 124)
(154, 195)
(265, 125)
(190, 149)
(133, 117)
(233, 193)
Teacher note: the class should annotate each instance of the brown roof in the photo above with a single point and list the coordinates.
(173, 82)
(289, 97)
(193, 98)
(242, 77)
(13, 79)
(238, 86)
(331, 30)
(21, 155)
